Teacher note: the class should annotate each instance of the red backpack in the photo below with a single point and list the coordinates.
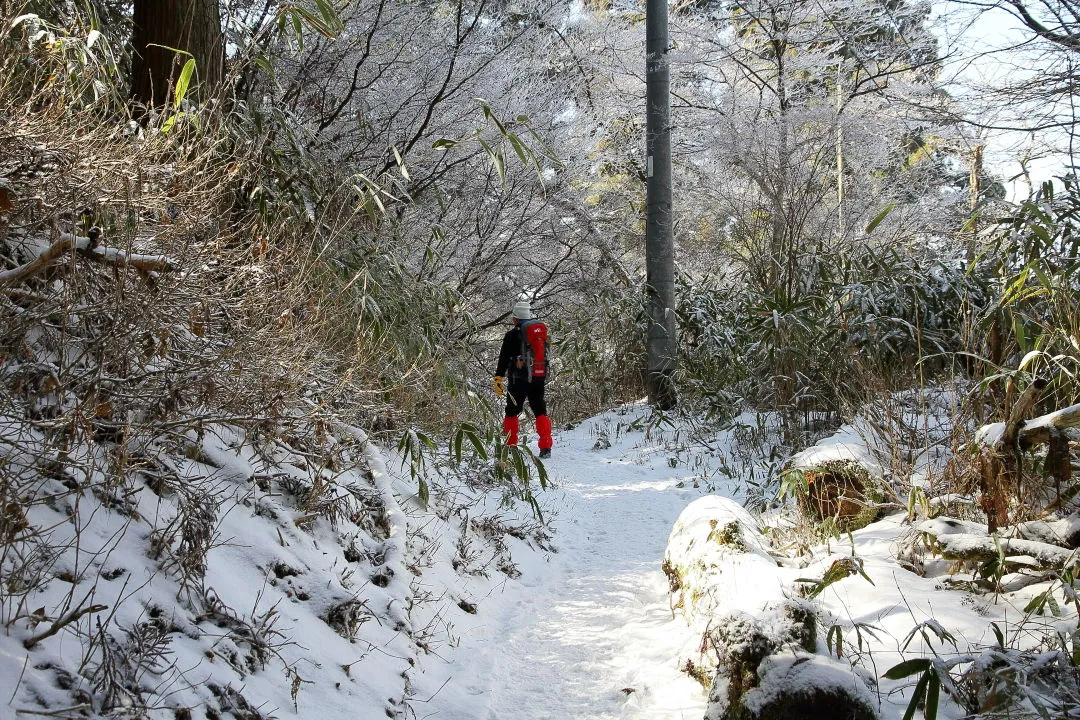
(534, 346)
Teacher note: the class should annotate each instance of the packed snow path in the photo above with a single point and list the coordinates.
(587, 632)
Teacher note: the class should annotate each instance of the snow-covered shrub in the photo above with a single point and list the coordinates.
(600, 351)
(794, 686)
(740, 642)
(865, 322)
(1010, 683)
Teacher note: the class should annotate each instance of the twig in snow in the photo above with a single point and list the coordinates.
(60, 624)
(81, 708)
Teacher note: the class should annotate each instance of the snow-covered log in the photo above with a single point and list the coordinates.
(1033, 432)
(1041, 429)
(86, 248)
(1064, 531)
(957, 540)
(1002, 445)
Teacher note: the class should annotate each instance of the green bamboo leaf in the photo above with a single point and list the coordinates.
(426, 439)
(972, 222)
(880, 217)
(1015, 287)
(1020, 333)
(541, 472)
(496, 160)
(183, 82)
(1031, 355)
(519, 148)
(933, 691)
(1041, 274)
(835, 638)
(919, 694)
(265, 65)
(423, 494)
(906, 668)
(473, 436)
(1035, 605)
(400, 163)
(455, 446)
(535, 506)
(298, 30)
(999, 635)
(329, 15)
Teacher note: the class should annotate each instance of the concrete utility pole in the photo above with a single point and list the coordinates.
(659, 244)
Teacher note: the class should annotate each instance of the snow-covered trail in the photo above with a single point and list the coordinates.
(586, 632)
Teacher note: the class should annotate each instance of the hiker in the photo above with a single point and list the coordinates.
(523, 359)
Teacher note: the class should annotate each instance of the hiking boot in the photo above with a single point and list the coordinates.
(545, 453)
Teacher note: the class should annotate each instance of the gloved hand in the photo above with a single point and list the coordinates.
(500, 389)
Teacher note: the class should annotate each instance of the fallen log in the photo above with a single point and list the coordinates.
(1002, 445)
(979, 548)
(1041, 430)
(1037, 431)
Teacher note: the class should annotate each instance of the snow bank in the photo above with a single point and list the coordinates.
(260, 576)
(717, 560)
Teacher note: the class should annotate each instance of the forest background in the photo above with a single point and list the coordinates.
(402, 176)
(286, 216)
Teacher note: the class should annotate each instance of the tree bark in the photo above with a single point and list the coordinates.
(161, 27)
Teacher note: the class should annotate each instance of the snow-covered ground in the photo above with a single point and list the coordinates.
(587, 632)
(464, 607)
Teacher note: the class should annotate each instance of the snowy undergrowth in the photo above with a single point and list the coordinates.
(328, 586)
(900, 622)
(224, 573)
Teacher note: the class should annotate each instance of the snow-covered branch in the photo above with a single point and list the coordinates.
(86, 248)
(1033, 432)
(981, 547)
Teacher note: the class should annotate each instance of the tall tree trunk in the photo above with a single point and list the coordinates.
(974, 197)
(841, 232)
(160, 28)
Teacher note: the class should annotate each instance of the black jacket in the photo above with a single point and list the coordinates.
(511, 365)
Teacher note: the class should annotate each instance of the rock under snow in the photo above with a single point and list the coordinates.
(716, 555)
(803, 687)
